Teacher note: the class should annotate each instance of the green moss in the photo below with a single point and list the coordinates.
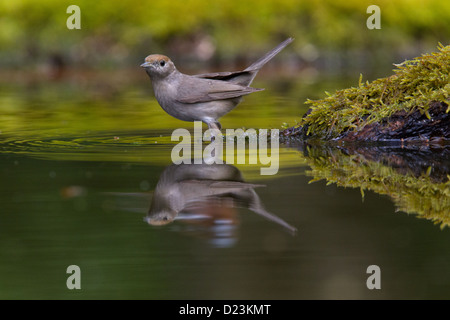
(414, 86)
(422, 193)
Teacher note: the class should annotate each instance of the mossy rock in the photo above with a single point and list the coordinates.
(411, 105)
(417, 182)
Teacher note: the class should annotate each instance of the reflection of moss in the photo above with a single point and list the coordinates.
(415, 86)
(413, 190)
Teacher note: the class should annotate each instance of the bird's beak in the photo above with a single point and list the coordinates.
(146, 64)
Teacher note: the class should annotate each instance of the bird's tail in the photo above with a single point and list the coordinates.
(266, 58)
(256, 206)
(261, 211)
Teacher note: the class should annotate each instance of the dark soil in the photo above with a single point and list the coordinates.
(401, 127)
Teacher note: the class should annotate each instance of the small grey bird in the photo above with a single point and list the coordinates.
(184, 191)
(203, 97)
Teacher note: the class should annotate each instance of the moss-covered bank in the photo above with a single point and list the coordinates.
(411, 105)
(417, 182)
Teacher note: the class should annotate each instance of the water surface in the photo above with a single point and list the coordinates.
(80, 166)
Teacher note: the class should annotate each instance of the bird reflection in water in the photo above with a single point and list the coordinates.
(205, 197)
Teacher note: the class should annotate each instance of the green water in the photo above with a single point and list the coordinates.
(80, 164)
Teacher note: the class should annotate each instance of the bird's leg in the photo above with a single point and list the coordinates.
(214, 127)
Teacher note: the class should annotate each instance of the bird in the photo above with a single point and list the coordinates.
(194, 191)
(202, 97)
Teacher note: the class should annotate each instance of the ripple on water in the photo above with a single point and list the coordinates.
(100, 146)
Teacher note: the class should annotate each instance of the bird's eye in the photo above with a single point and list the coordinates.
(162, 63)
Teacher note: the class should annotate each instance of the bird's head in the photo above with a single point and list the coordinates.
(160, 218)
(158, 65)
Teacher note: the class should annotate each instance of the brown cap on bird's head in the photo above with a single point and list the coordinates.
(160, 218)
(155, 59)
(154, 222)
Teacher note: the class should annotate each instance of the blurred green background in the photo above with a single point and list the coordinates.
(54, 78)
(121, 33)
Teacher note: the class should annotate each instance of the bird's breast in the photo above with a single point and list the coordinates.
(165, 92)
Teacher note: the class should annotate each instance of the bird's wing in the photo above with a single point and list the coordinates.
(243, 78)
(227, 75)
(193, 90)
